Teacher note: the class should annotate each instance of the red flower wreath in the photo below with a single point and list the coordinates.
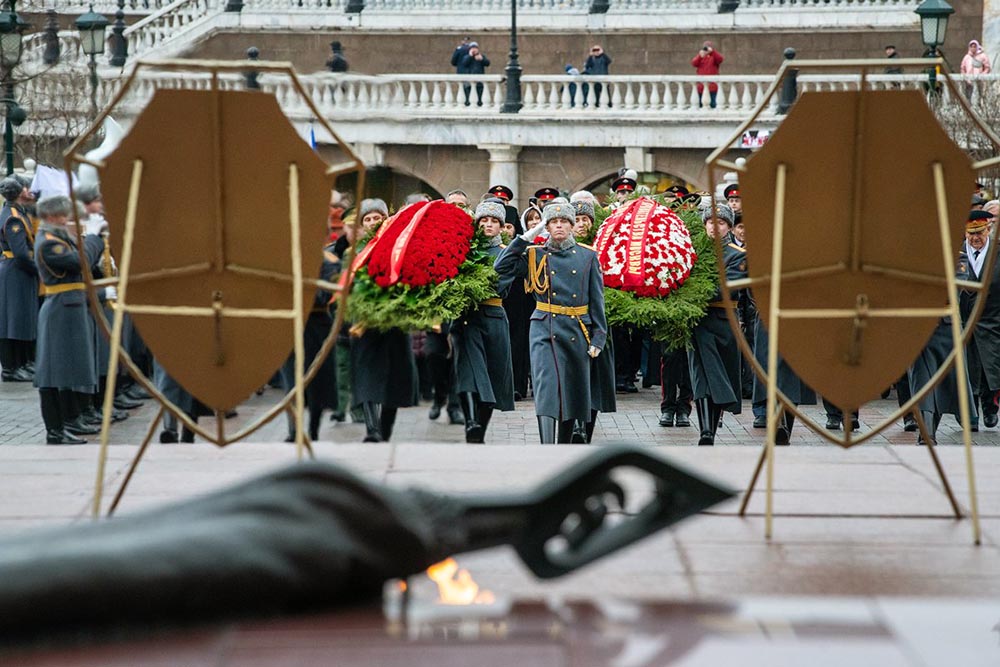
(436, 249)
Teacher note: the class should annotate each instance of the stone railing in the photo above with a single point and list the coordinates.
(100, 6)
(819, 4)
(401, 96)
(481, 5)
(147, 34)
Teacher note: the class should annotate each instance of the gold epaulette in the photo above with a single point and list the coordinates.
(584, 245)
(736, 247)
(503, 245)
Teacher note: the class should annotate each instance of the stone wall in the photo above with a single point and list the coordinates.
(374, 52)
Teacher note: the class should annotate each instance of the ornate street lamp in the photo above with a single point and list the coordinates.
(11, 29)
(934, 21)
(933, 26)
(91, 27)
(512, 103)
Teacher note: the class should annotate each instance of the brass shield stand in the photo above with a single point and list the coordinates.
(232, 250)
(844, 270)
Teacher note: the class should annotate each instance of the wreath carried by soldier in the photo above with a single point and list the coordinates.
(659, 268)
(425, 265)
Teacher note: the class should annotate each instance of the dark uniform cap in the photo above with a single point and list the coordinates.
(501, 191)
(677, 190)
(626, 184)
(978, 220)
(11, 188)
(977, 200)
(732, 191)
(545, 194)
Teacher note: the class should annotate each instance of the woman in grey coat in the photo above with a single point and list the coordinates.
(484, 377)
(65, 358)
(568, 326)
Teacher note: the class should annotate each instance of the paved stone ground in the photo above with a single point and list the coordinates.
(636, 420)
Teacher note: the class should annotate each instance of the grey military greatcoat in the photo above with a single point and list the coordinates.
(18, 276)
(569, 310)
(65, 357)
(714, 357)
(797, 391)
(481, 348)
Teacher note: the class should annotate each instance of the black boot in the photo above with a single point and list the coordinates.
(372, 426)
(784, 429)
(579, 436)
(590, 425)
(716, 413)
(485, 414)
(547, 430)
(187, 435)
(705, 419)
(474, 431)
(565, 435)
(314, 418)
(931, 420)
(387, 420)
(62, 438)
(79, 427)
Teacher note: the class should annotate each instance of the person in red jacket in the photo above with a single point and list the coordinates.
(707, 62)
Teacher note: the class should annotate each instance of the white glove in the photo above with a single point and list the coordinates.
(111, 293)
(95, 225)
(593, 351)
(533, 233)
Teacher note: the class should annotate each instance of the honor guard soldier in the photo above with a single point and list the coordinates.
(544, 196)
(66, 359)
(714, 357)
(568, 326)
(321, 392)
(383, 370)
(18, 284)
(503, 192)
(484, 377)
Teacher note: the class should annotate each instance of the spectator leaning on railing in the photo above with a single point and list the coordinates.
(707, 62)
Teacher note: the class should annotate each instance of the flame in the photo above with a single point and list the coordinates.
(457, 586)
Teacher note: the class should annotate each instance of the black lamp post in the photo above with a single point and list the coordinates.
(11, 29)
(91, 27)
(512, 103)
(933, 27)
(119, 45)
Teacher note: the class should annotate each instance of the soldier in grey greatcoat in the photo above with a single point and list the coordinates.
(790, 384)
(984, 346)
(321, 392)
(714, 357)
(18, 285)
(484, 377)
(383, 370)
(568, 326)
(65, 355)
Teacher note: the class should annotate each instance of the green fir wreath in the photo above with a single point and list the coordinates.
(671, 320)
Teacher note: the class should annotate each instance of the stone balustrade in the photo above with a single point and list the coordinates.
(401, 96)
(132, 7)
